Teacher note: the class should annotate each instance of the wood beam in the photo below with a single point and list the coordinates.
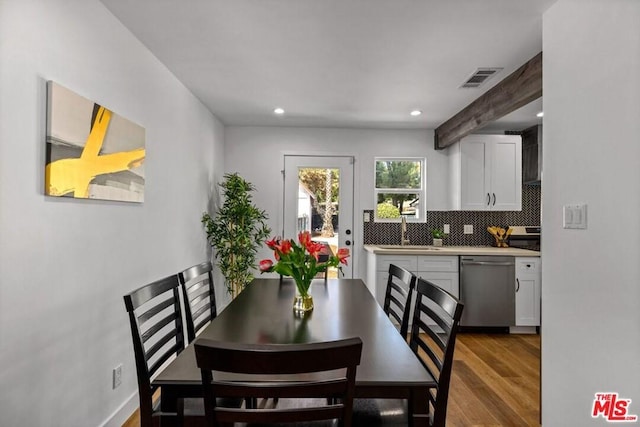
(514, 91)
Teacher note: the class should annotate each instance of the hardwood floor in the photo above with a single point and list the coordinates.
(495, 381)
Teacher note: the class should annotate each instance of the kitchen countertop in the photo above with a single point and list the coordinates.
(448, 250)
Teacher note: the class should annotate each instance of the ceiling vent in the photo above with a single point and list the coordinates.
(480, 77)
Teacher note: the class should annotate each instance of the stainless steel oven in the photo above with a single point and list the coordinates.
(525, 237)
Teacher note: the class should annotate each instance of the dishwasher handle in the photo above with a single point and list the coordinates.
(506, 264)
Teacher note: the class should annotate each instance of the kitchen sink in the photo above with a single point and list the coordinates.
(409, 247)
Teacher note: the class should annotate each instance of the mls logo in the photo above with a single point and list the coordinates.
(612, 409)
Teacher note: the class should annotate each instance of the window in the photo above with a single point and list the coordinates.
(400, 189)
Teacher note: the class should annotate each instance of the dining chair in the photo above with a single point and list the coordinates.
(308, 373)
(397, 300)
(435, 322)
(436, 319)
(156, 328)
(199, 297)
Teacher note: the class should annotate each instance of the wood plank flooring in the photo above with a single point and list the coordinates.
(495, 382)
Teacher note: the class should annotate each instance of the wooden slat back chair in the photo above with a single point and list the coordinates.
(434, 343)
(397, 300)
(397, 305)
(199, 297)
(292, 363)
(323, 274)
(156, 327)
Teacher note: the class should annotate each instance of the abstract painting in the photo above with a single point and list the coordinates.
(92, 153)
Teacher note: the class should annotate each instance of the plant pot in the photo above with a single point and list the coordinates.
(437, 242)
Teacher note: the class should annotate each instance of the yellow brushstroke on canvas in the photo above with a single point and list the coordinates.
(74, 175)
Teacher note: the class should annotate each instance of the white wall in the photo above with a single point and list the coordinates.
(591, 278)
(64, 263)
(257, 153)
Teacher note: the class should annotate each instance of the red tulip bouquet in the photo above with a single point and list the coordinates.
(300, 260)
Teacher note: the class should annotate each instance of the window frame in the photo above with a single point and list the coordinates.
(422, 191)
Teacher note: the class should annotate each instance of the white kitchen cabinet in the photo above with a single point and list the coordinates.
(440, 270)
(446, 280)
(486, 173)
(528, 280)
(381, 272)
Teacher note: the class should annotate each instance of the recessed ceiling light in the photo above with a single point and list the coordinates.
(540, 114)
(416, 113)
(278, 111)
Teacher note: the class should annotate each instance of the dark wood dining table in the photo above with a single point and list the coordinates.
(343, 308)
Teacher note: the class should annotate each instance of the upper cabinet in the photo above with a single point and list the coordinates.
(486, 173)
(532, 155)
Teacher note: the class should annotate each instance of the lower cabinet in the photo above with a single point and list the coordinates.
(443, 270)
(528, 279)
(381, 271)
(439, 270)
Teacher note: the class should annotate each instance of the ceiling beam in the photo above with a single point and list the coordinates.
(514, 91)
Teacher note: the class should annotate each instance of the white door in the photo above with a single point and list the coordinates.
(318, 197)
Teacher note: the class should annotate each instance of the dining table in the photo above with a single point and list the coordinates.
(343, 308)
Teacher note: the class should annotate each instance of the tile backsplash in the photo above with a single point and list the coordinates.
(385, 233)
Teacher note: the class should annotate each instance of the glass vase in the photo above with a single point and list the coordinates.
(303, 301)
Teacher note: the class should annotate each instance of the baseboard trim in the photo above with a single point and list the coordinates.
(484, 329)
(523, 330)
(122, 414)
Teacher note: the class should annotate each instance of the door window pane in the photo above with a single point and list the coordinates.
(318, 208)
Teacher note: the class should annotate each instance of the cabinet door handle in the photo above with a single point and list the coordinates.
(488, 199)
(494, 199)
(517, 284)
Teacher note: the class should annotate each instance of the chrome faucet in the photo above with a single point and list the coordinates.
(403, 231)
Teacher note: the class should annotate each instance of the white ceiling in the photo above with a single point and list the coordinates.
(338, 63)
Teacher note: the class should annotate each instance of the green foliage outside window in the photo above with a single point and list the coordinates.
(387, 210)
(399, 183)
(398, 174)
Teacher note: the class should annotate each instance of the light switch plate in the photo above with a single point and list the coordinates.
(574, 216)
(446, 229)
(117, 376)
(468, 229)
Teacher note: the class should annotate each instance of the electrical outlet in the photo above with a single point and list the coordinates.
(445, 228)
(468, 229)
(117, 376)
(367, 217)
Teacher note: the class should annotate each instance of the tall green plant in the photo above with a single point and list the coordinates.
(237, 231)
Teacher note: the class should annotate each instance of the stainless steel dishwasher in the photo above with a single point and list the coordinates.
(487, 289)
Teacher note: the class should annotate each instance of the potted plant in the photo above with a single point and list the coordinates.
(437, 234)
(236, 232)
(301, 261)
